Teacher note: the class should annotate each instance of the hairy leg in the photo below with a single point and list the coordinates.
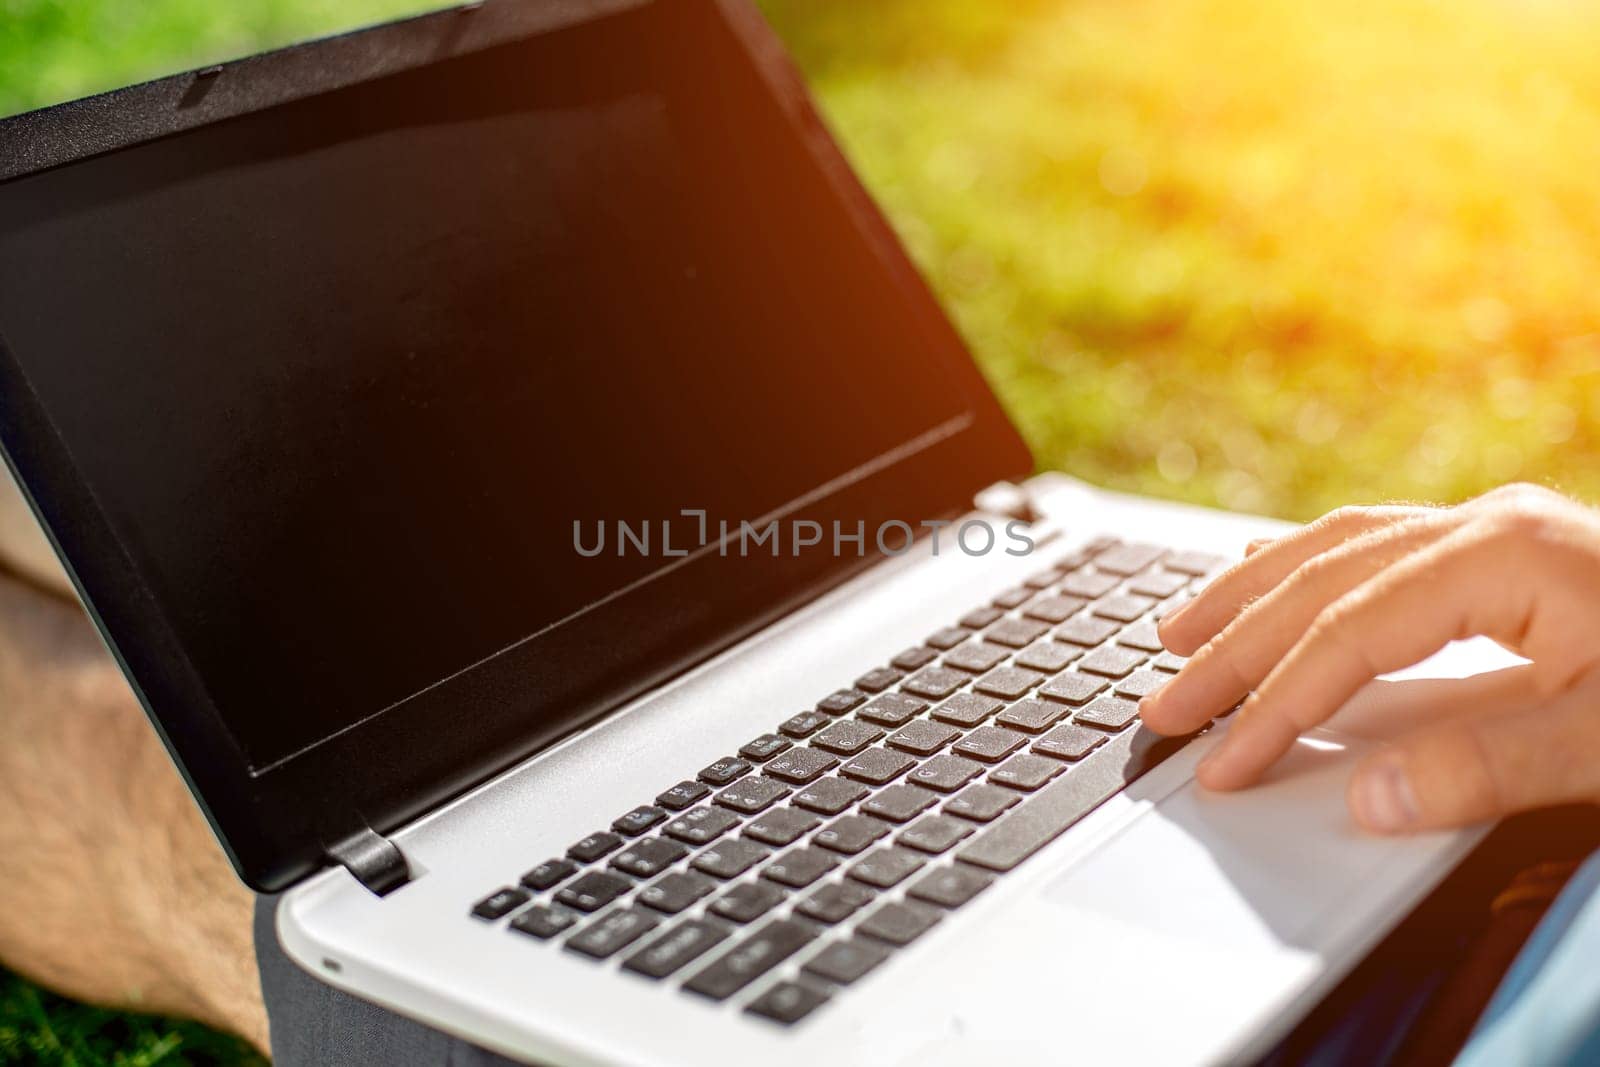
(112, 888)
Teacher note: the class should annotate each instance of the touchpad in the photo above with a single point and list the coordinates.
(1254, 869)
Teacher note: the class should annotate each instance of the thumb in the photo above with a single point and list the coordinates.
(1482, 767)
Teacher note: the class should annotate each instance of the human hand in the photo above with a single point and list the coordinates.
(1307, 620)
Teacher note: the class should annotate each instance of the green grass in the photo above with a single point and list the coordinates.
(1269, 256)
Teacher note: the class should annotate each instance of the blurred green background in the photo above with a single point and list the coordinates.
(1269, 256)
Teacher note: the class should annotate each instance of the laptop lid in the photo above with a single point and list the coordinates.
(325, 369)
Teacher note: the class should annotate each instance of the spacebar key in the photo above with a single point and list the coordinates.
(1048, 813)
(750, 959)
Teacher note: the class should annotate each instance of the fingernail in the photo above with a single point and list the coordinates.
(1384, 796)
(1214, 757)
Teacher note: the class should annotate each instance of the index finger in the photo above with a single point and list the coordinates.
(1186, 629)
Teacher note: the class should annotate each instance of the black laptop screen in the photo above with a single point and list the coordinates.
(343, 374)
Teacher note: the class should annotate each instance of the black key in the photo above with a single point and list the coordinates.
(893, 709)
(765, 747)
(847, 736)
(752, 795)
(935, 683)
(886, 867)
(830, 796)
(593, 891)
(1089, 584)
(549, 873)
(799, 867)
(1170, 662)
(1008, 682)
(981, 803)
(900, 924)
(933, 833)
(950, 887)
(787, 1002)
(835, 902)
(1070, 687)
(1085, 630)
(1069, 742)
(900, 803)
(594, 846)
(1051, 810)
(978, 618)
(801, 765)
(967, 709)
(702, 825)
(674, 892)
(1141, 636)
(1015, 598)
(1054, 609)
(501, 902)
(1015, 633)
(876, 681)
(1079, 556)
(975, 657)
(1128, 559)
(1114, 663)
(1026, 771)
(725, 770)
(912, 658)
(612, 932)
(1045, 579)
(804, 724)
(989, 743)
(638, 820)
(1195, 563)
(546, 921)
(1124, 607)
(747, 902)
(1047, 657)
(1141, 684)
(852, 834)
(1169, 607)
(750, 959)
(923, 737)
(1031, 715)
(783, 826)
(949, 637)
(1108, 713)
(946, 773)
(876, 766)
(1159, 584)
(648, 858)
(683, 795)
(685, 942)
(730, 858)
(842, 701)
(845, 961)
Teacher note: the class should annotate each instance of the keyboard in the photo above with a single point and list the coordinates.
(786, 872)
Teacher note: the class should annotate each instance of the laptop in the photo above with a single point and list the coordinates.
(569, 554)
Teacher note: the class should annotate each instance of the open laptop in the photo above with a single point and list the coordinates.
(565, 548)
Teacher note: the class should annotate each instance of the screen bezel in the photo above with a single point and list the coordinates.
(277, 825)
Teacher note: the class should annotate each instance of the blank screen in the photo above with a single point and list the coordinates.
(342, 374)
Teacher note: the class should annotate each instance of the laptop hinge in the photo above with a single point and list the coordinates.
(376, 861)
(1008, 499)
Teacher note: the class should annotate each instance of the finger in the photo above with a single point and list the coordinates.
(1481, 768)
(1386, 710)
(1450, 589)
(1255, 546)
(1192, 625)
(1234, 662)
